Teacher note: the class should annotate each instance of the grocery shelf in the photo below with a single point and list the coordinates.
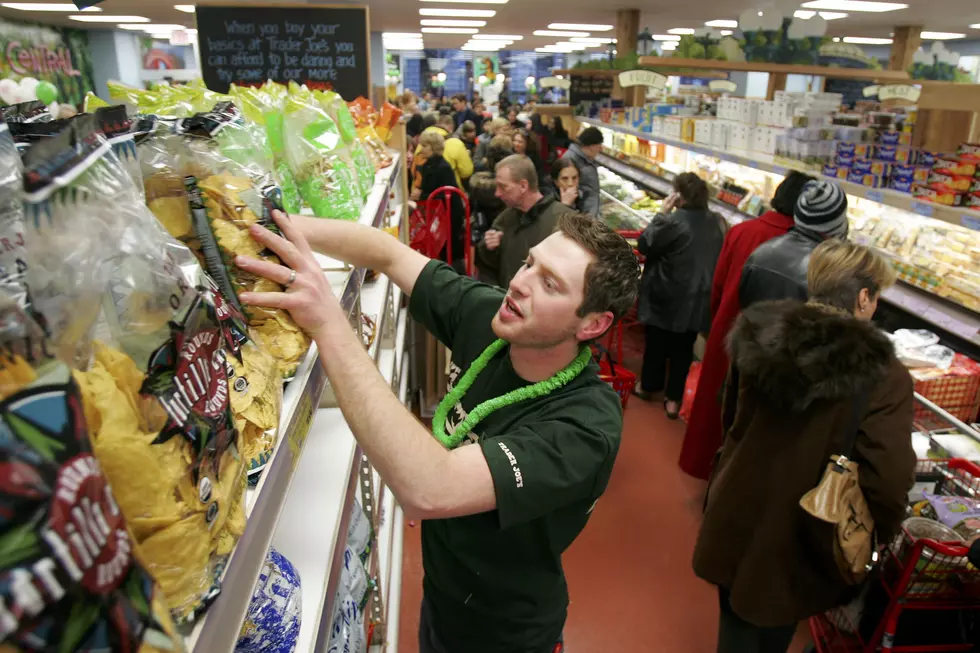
(957, 320)
(272, 501)
(662, 186)
(324, 482)
(963, 217)
(941, 314)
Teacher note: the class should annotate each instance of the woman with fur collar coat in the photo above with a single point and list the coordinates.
(796, 370)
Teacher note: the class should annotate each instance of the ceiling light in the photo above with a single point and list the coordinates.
(941, 36)
(459, 13)
(666, 37)
(722, 23)
(490, 44)
(43, 6)
(187, 9)
(826, 15)
(681, 30)
(153, 28)
(100, 18)
(977, 26)
(855, 5)
(435, 22)
(580, 27)
(548, 32)
(400, 35)
(494, 37)
(668, 45)
(726, 32)
(471, 2)
(405, 46)
(568, 45)
(449, 30)
(866, 40)
(482, 48)
(591, 39)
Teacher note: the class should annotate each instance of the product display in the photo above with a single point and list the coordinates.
(97, 596)
(275, 611)
(129, 309)
(935, 255)
(120, 302)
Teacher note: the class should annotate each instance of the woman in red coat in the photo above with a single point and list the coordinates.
(704, 436)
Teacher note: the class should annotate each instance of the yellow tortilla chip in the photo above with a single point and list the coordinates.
(15, 373)
(174, 214)
(179, 559)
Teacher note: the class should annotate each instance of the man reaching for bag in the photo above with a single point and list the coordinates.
(524, 391)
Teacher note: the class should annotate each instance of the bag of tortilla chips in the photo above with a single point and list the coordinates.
(71, 577)
(129, 309)
(13, 266)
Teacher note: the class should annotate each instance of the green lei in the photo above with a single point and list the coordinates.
(477, 415)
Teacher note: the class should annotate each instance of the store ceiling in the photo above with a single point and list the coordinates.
(524, 16)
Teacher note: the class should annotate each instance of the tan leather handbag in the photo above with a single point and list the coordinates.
(838, 500)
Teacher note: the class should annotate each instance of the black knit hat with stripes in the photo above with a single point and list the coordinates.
(822, 209)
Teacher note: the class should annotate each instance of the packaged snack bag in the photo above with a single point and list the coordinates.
(63, 535)
(32, 111)
(13, 264)
(326, 177)
(275, 611)
(130, 310)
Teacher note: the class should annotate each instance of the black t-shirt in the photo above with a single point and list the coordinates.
(495, 580)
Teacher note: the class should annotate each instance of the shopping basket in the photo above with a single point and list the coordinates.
(431, 222)
(621, 379)
(916, 579)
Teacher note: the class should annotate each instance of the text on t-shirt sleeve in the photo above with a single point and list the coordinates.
(544, 466)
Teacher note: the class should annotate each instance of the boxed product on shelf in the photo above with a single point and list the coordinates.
(955, 166)
(910, 173)
(901, 185)
(947, 197)
(865, 179)
(927, 158)
(704, 132)
(972, 201)
(844, 160)
(895, 138)
(941, 178)
(853, 149)
(894, 154)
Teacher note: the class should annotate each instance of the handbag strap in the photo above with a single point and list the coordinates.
(858, 407)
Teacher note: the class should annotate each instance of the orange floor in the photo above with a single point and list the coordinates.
(629, 573)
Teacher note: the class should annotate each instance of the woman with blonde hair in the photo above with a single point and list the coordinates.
(435, 173)
(803, 379)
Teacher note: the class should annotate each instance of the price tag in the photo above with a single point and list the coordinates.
(752, 164)
(874, 195)
(779, 170)
(923, 208)
(970, 222)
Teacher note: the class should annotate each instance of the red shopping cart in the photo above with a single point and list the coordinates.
(431, 222)
(611, 370)
(916, 575)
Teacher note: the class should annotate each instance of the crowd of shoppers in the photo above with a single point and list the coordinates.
(791, 363)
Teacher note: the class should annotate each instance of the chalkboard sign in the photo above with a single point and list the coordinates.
(590, 89)
(322, 47)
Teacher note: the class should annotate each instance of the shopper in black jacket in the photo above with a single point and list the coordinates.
(777, 269)
(437, 172)
(682, 244)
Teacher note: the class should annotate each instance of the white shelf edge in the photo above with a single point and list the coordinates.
(331, 459)
(903, 201)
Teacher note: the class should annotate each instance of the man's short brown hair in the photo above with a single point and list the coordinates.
(612, 279)
(522, 169)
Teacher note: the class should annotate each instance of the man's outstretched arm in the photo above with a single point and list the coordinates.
(363, 247)
(428, 481)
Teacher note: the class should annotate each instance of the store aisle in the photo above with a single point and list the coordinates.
(629, 573)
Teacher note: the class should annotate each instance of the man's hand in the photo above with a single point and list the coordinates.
(492, 239)
(309, 298)
(569, 196)
(416, 194)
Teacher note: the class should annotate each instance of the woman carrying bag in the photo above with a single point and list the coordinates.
(805, 380)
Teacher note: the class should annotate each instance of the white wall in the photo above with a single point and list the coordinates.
(115, 56)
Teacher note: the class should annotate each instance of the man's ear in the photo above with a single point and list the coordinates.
(593, 326)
